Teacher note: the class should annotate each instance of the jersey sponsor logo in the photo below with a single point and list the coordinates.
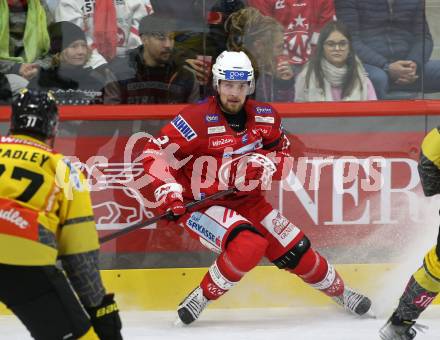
(264, 129)
(269, 120)
(212, 118)
(14, 217)
(18, 221)
(280, 227)
(216, 129)
(12, 140)
(184, 128)
(202, 231)
(236, 75)
(245, 138)
(264, 110)
(221, 141)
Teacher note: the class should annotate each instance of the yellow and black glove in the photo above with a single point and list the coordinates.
(105, 319)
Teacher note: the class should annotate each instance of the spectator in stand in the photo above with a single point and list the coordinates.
(393, 40)
(69, 79)
(261, 37)
(111, 27)
(201, 31)
(24, 40)
(302, 23)
(219, 11)
(148, 75)
(334, 72)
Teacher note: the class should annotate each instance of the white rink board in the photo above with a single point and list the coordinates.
(325, 323)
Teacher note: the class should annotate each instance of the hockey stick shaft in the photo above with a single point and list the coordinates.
(146, 223)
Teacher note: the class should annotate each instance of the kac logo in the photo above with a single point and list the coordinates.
(212, 118)
(264, 110)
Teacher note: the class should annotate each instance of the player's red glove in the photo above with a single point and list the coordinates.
(170, 197)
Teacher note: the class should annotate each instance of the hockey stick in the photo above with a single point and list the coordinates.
(146, 223)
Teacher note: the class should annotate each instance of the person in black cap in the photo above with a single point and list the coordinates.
(148, 75)
(68, 77)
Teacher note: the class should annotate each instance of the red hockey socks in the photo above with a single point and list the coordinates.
(242, 254)
(318, 273)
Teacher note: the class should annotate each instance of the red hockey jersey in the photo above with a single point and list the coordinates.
(302, 21)
(199, 150)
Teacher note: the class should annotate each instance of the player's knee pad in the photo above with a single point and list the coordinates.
(238, 229)
(245, 248)
(293, 256)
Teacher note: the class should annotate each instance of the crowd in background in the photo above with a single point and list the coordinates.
(161, 51)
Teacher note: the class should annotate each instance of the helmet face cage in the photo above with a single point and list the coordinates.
(233, 66)
(35, 113)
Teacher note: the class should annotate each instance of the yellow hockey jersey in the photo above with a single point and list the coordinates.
(429, 163)
(45, 205)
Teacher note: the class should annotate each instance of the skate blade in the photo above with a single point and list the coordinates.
(179, 323)
(369, 314)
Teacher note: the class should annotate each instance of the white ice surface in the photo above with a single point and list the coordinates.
(329, 323)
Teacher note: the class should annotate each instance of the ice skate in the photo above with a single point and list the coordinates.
(189, 309)
(354, 302)
(398, 329)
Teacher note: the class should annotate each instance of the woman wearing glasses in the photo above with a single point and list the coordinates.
(334, 72)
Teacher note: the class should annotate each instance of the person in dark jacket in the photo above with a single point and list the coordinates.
(69, 79)
(201, 32)
(148, 75)
(393, 40)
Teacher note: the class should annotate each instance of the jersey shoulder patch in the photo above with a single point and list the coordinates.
(184, 128)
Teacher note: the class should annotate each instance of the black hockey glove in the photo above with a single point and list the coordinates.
(105, 319)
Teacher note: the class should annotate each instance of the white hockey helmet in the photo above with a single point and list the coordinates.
(233, 66)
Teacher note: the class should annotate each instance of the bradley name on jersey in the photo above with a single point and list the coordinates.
(34, 157)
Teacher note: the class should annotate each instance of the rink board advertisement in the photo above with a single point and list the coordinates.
(355, 181)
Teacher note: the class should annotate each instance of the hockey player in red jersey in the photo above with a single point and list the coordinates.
(233, 141)
(302, 21)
